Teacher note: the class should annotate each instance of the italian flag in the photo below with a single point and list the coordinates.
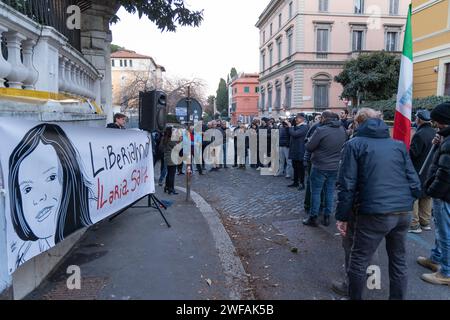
(403, 113)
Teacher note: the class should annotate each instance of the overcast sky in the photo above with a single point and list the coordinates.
(227, 38)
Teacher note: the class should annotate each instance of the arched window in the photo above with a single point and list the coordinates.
(288, 97)
(321, 89)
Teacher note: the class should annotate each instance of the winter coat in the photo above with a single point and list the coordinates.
(284, 137)
(326, 145)
(168, 147)
(420, 147)
(438, 182)
(376, 174)
(297, 143)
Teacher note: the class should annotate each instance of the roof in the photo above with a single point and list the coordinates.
(128, 54)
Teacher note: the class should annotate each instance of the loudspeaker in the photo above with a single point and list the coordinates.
(152, 110)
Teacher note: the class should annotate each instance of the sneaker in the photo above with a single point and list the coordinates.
(427, 263)
(436, 278)
(340, 287)
(426, 227)
(415, 229)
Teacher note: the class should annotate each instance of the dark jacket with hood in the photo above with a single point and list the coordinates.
(284, 136)
(438, 183)
(326, 145)
(376, 174)
(420, 147)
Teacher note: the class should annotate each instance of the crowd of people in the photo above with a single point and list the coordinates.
(377, 180)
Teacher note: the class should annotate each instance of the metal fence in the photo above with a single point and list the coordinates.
(51, 13)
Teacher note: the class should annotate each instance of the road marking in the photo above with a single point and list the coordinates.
(235, 275)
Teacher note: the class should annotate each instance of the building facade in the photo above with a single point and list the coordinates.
(305, 43)
(132, 72)
(431, 36)
(245, 95)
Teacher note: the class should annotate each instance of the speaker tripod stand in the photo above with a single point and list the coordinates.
(153, 202)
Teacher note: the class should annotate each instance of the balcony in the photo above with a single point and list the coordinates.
(40, 54)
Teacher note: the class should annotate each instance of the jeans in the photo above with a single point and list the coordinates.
(163, 172)
(368, 233)
(441, 252)
(284, 158)
(322, 180)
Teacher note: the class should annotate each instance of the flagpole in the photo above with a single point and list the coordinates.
(403, 110)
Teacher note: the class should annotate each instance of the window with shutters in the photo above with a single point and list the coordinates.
(113, 64)
(323, 5)
(393, 7)
(359, 6)
(357, 40)
(321, 87)
(263, 60)
(320, 97)
(288, 99)
(289, 42)
(322, 42)
(278, 96)
(392, 41)
(447, 80)
(270, 55)
(263, 100)
(279, 47)
(125, 63)
(269, 99)
(131, 63)
(121, 63)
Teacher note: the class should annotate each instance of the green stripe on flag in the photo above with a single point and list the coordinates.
(408, 43)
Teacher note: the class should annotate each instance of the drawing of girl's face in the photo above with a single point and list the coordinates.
(41, 188)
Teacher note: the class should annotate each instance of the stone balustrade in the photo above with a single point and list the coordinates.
(40, 58)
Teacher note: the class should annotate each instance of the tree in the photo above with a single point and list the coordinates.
(233, 73)
(371, 76)
(115, 48)
(177, 89)
(166, 14)
(222, 96)
(210, 105)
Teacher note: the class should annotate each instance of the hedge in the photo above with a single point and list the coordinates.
(388, 106)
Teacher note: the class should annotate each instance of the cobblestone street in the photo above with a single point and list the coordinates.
(284, 259)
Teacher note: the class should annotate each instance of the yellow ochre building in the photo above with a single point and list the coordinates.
(431, 34)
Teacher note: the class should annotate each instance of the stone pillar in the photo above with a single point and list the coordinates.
(27, 52)
(5, 66)
(96, 47)
(18, 72)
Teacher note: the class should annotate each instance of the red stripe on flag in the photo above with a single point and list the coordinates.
(402, 129)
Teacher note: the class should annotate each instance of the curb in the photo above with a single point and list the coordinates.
(235, 275)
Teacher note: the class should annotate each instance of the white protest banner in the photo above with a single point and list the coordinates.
(61, 178)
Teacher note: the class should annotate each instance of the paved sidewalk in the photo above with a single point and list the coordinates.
(137, 257)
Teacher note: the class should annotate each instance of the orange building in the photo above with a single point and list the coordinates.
(245, 95)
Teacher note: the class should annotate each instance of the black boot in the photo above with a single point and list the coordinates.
(310, 221)
(326, 221)
(294, 185)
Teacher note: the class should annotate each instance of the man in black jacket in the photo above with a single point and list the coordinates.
(438, 187)
(325, 145)
(371, 164)
(420, 148)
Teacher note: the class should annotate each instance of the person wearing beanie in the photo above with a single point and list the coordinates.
(437, 186)
(420, 148)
